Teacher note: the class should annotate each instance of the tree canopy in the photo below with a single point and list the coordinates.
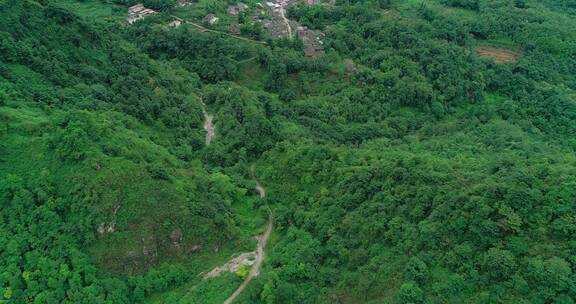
(425, 156)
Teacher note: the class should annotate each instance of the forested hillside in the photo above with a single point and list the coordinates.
(426, 154)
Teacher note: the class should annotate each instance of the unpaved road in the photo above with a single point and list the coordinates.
(255, 270)
(208, 123)
(259, 188)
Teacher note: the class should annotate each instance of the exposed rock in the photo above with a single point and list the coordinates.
(102, 228)
(195, 248)
(109, 227)
(149, 248)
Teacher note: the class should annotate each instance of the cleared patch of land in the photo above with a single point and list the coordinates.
(499, 55)
(209, 127)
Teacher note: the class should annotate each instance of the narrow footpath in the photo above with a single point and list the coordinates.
(205, 29)
(209, 127)
(208, 124)
(255, 270)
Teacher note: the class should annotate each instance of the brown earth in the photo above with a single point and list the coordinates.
(499, 55)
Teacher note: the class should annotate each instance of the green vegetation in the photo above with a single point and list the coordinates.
(402, 165)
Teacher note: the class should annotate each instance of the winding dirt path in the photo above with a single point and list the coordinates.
(255, 270)
(208, 124)
(261, 190)
(209, 127)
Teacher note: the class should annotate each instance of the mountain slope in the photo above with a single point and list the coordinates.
(427, 156)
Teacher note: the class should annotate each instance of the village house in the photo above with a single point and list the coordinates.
(234, 10)
(313, 44)
(182, 3)
(176, 23)
(138, 12)
(210, 19)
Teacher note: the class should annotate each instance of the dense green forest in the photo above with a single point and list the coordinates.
(427, 155)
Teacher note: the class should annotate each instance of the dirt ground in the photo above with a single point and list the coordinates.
(248, 259)
(499, 55)
(209, 127)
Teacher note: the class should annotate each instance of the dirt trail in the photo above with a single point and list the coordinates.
(255, 270)
(208, 124)
(246, 60)
(209, 127)
(204, 29)
(261, 190)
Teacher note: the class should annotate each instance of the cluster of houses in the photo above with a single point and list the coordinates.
(210, 19)
(275, 25)
(312, 40)
(139, 12)
(234, 10)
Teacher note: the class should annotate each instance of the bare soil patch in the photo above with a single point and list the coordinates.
(248, 259)
(499, 55)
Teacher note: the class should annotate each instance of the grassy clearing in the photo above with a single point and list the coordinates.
(92, 9)
(251, 76)
(197, 290)
(251, 220)
(213, 291)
